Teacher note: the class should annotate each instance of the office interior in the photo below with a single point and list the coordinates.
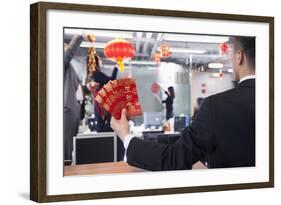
(197, 66)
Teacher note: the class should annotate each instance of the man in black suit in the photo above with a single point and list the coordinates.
(223, 132)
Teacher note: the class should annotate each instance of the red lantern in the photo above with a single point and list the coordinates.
(223, 48)
(156, 57)
(119, 50)
(165, 50)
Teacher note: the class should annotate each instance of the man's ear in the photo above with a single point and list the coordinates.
(239, 57)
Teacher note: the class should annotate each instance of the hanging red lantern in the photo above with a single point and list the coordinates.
(165, 50)
(156, 57)
(223, 48)
(119, 50)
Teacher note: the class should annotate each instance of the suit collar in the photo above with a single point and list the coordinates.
(248, 83)
(247, 78)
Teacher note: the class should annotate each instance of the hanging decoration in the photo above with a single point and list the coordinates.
(165, 51)
(91, 55)
(119, 50)
(223, 48)
(91, 38)
(155, 88)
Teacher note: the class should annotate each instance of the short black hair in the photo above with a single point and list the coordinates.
(248, 46)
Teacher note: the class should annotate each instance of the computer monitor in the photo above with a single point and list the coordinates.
(95, 148)
(152, 119)
(181, 122)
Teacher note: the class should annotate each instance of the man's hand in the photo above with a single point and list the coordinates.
(121, 127)
(91, 38)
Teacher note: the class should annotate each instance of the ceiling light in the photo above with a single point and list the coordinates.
(186, 50)
(216, 75)
(142, 62)
(195, 38)
(86, 44)
(215, 65)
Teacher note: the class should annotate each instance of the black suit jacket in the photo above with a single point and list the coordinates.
(222, 134)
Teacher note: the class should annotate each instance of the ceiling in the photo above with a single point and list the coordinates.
(191, 51)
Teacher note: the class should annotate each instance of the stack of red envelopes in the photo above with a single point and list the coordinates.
(119, 94)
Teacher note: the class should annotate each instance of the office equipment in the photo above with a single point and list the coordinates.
(95, 148)
(181, 122)
(152, 119)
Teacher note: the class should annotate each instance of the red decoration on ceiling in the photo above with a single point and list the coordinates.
(119, 50)
(165, 50)
(223, 48)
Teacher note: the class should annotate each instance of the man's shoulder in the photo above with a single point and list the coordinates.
(222, 95)
(238, 94)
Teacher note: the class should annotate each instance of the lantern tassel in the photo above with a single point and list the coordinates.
(121, 65)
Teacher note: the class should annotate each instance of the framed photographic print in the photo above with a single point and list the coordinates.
(135, 102)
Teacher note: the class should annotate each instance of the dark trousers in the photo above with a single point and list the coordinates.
(70, 129)
(169, 114)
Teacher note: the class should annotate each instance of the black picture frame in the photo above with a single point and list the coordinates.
(38, 102)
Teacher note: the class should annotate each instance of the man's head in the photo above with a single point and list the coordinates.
(243, 56)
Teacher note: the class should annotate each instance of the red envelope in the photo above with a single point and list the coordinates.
(131, 97)
(119, 94)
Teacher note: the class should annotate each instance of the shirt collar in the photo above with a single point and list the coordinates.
(247, 78)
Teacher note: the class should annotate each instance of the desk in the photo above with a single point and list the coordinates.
(100, 168)
(109, 168)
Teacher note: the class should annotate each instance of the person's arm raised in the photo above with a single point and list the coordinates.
(72, 48)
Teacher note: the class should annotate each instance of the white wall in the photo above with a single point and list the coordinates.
(212, 85)
(14, 146)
